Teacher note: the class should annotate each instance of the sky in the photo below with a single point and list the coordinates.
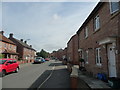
(47, 25)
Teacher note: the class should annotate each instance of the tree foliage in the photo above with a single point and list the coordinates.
(42, 53)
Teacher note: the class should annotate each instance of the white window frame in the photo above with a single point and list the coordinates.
(96, 22)
(86, 32)
(86, 56)
(5, 45)
(98, 57)
(111, 1)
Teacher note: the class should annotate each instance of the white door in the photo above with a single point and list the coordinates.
(111, 61)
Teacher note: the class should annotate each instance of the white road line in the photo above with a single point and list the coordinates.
(47, 77)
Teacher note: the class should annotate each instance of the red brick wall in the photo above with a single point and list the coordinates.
(72, 51)
(108, 27)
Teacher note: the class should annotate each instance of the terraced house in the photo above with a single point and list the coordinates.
(26, 52)
(99, 40)
(7, 47)
(72, 49)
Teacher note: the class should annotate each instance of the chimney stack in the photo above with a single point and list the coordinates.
(11, 35)
(21, 40)
(25, 42)
(2, 32)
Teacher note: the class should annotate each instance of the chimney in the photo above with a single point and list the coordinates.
(21, 40)
(30, 45)
(25, 42)
(11, 35)
(2, 32)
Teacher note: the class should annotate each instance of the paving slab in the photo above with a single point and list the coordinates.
(93, 82)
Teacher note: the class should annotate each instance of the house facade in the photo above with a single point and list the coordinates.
(26, 52)
(99, 40)
(7, 47)
(72, 50)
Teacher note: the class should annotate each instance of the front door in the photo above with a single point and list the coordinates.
(111, 61)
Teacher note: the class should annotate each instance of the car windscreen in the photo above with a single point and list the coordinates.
(2, 61)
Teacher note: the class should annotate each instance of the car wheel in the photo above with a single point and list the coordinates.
(17, 69)
(3, 73)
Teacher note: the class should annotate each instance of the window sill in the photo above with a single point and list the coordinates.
(98, 65)
(115, 14)
(86, 37)
(96, 30)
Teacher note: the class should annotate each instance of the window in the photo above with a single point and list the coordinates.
(96, 23)
(86, 57)
(114, 6)
(5, 45)
(86, 32)
(10, 61)
(98, 57)
(10, 46)
(14, 61)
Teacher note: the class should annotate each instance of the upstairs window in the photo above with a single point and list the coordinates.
(86, 32)
(114, 6)
(96, 22)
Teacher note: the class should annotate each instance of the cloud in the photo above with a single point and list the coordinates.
(48, 25)
(56, 17)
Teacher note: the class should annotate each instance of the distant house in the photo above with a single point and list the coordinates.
(7, 47)
(26, 52)
(72, 49)
(99, 40)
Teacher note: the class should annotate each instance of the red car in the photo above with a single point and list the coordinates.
(47, 59)
(7, 66)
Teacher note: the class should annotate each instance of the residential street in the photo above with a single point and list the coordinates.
(37, 76)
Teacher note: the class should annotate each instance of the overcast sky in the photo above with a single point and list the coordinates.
(48, 25)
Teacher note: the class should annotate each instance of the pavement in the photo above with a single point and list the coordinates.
(92, 82)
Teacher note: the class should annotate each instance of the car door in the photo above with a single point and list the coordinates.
(9, 66)
(14, 65)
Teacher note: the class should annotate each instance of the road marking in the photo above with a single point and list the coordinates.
(53, 68)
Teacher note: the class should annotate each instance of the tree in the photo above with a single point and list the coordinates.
(42, 53)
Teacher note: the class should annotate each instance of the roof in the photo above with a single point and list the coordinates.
(5, 39)
(71, 38)
(23, 44)
(98, 6)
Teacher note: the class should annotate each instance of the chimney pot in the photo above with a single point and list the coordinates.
(2, 32)
(21, 40)
(11, 35)
(25, 41)
(30, 45)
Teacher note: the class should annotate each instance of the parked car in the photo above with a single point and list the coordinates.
(39, 60)
(42, 60)
(47, 59)
(7, 66)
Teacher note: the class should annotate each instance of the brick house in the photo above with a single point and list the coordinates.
(72, 49)
(7, 47)
(99, 40)
(26, 52)
(64, 55)
(59, 54)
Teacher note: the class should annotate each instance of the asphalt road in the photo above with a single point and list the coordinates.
(28, 76)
